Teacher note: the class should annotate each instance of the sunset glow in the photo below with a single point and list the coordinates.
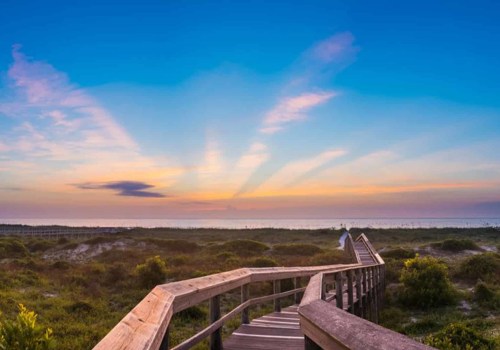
(181, 110)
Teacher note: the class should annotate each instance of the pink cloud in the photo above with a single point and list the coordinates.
(293, 109)
(334, 48)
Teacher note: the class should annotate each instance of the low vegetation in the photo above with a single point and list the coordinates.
(81, 287)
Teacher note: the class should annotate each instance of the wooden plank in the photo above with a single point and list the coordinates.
(143, 327)
(333, 328)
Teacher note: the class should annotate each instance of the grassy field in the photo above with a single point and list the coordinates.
(82, 287)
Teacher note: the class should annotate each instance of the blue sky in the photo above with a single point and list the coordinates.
(256, 109)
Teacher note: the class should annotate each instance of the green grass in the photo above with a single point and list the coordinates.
(82, 299)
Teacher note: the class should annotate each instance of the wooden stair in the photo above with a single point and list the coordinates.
(275, 331)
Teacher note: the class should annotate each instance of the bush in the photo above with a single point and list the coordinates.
(242, 247)
(457, 336)
(175, 245)
(300, 249)
(263, 262)
(456, 245)
(152, 272)
(398, 253)
(24, 333)
(426, 284)
(484, 266)
(12, 248)
(486, 296)
(330, 257)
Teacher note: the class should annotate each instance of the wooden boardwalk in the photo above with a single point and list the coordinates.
(278, 330)
(319, 322)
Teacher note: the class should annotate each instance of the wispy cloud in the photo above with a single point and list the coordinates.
(123, 188)
(291, 109)
(62, 131)
(295, 171)
(336, 48)
(256, 156)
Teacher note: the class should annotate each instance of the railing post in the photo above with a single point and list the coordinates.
(310, 345)
(164, 342)
(369, 273)
(365, 295)
(376, 293)
(339, 290)
(350, 292)
(296, 284)
(244, 297)
(359, 294)
(277, 289)
(215, 337)
(382, 285)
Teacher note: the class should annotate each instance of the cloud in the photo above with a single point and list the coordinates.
(299, 170)
(123, 188)
(256, 156)
(291, 109)
(336, 48)
(61, 131)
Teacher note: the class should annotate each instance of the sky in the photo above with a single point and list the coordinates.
(257, 109)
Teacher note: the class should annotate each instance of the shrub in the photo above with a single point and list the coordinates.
(152, 272)
(301, 249)
(24, 333)
(457, 336)
(425, 283)
(329, 257)
(243, 247)
(398, 253)
(393, 318)
(175, 245)
(12, 248)
(223, 256)
(456, 245)
(486, 296)
(262, 262)
(484, 266)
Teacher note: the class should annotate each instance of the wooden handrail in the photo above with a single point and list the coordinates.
(145, 326)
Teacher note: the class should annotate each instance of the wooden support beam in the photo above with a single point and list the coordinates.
(364, 295)
(370, 292)
(350, 292)
(359, 295)
(376, 293)
(339, 290)
(216, 336)
(244, 297)
(296, 284)
(277, 290)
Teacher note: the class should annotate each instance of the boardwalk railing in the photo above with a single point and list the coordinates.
(355, 287)
(333, 300)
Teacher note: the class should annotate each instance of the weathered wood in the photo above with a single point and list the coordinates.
(333, 328)
(277, 290)
(350, 291)
(214, 314)
(369, 293)
(359, 296)
(339, 290)
(144, 327)
(296, 284)
(376, 292)
(364, 295)
(195, 339)
(244, 297)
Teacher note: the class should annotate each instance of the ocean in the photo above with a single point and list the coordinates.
(265, 223)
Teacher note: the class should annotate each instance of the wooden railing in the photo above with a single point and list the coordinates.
(146, 326)
(354, 287)
(359, 290)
